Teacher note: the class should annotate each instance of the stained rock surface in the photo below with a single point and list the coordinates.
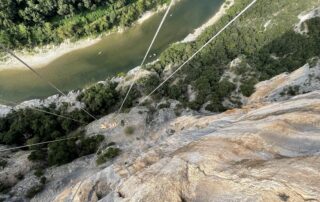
(262, 152)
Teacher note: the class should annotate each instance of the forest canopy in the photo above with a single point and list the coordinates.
(29, 23)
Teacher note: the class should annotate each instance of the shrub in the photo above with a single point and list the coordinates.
(62, 152)
(19, 176)
(121, 74)
(28, 126)
(89, 145)
(38, 155)
(293, 90)
(3, 163)
(66, 151)
(34, 190)
(178, 109)
(247, 87)
(111, 153)
(313, 61)
(129, 130)
(164, 105)
(132, 98)
(38, 172)
(283, 196)
(43, 180)
(111, 144)
(101, 160)
(100, 98)
(4, 188)
(215, 107)
(149, 83)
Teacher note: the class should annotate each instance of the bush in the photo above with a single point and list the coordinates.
(4, 188)
(38, 155)
(215, 106)
(19, 176)
(89, 145)
(149, 83)
(100, 98)
(132, 98)
(129, 130)
(178, 110)
(111, 144)
(164, 105)
(283, 196)
(111, 153)
(66, 151)
(39, 172)
(30, 126)
(101, 160)
(247, 87)
(313, 61)
(121, 74)
(3, 163)
(62, 152)
(34, 190)
(291, 91)
(43, 180)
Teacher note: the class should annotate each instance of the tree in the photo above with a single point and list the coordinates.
(100, 98)
(61, 152)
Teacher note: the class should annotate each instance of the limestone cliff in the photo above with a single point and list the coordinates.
(265, 151)
(268, 150)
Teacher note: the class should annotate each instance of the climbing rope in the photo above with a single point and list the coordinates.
(147, 53)
(37, 144)
(41, 77)
(199, 50)
(114, 123)
(46, 112)
(179, 68)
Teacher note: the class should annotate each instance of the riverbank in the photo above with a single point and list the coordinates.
(197, 32)
(46, 54)
(42, 56)
(111, 55)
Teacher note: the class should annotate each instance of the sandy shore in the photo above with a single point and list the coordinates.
(46, 54)
(197, 32)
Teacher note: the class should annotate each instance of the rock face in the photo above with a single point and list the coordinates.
(266, 151)
(262, 152)
(58, 100)
(301, 27)
(303, 80)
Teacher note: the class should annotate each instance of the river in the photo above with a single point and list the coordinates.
(118, 52)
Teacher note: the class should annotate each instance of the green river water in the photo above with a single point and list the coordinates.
(119, 52)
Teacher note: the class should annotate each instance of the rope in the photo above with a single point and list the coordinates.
(133, 82)
(147, 53)
(41, 77)
(36, 144)
(199, 50)
(47, 112)
(130, 88)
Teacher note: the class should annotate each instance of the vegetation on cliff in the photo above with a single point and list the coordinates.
(267, 48)
(268, 51)
(265, 39)
(27, 126)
